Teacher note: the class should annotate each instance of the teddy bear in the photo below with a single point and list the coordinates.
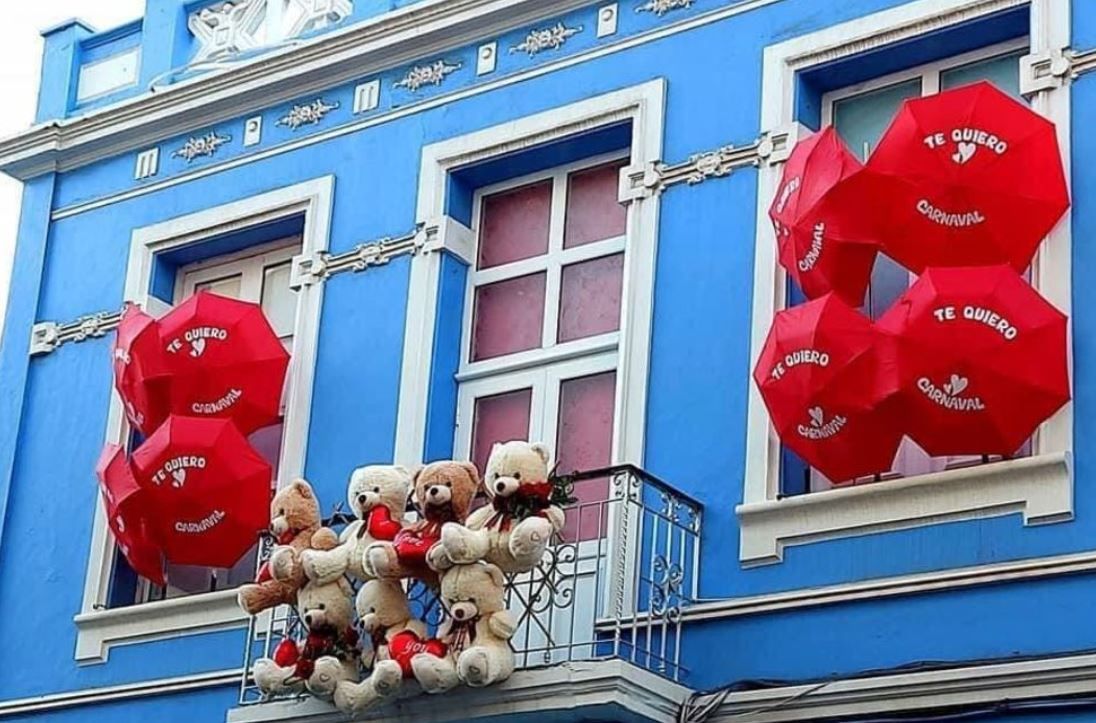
(296, 526)
(443, 492)
(514, 530)
(397, 636)
(328, 655)
(477, 631)
(378, 496)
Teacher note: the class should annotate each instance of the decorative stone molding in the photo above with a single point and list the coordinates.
(316, 14)
(550, 38)
(1045, 71)
(201, 146)
(661, 7)
(225, 29)
(148, 164)
(432, 74)
(1081, 62)
(47, 336)
(308, 114)
(653, 178)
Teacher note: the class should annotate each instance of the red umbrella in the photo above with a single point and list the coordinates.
(825, 243)
(209, 490)
(980, 359)
(822, 380)
(126, 506)
(139, 370)
(968, 177)
(225, 361)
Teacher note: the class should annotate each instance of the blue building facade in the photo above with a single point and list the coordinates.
(345, 163)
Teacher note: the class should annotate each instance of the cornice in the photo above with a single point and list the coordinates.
(391, 40)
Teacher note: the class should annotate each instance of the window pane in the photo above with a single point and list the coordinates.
(584, 442)
(279, 300)
(889, 280)
(589, 301)
(861, 119)
(515, 225)
(594, 212)
(499, 418)
(228, 286)
(508, 317)
(1004, 72)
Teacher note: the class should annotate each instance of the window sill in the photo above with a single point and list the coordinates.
(98, 630)
(1040, 487)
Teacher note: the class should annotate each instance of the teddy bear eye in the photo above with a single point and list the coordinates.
(322, 606)
(281, 511)
(472, 600)
(517, 475)
(377, 490)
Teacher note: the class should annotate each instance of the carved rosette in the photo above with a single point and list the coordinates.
(307, 114)
(432, 74)
(551, 38)
(661, 7)
(201, 146)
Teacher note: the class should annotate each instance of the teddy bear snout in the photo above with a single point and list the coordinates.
(506, 486)
(279, 526)
(439, 494)
(314, 618)
(367, 501)
(463, 611)
(370, 622)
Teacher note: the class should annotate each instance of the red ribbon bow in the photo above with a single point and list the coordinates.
(535, 496)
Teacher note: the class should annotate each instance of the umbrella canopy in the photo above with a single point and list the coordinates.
(823, 383)
(968, 177)
(826, 243)
(126, 505)
(209, 490)
(980, 360)
(225, 361)
(140, 374)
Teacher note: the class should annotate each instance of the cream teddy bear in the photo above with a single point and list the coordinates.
(443, 493)
(477, 631)
(329, 654)
(514, 531)
(397, 636)
(378, 496)
(295, 524)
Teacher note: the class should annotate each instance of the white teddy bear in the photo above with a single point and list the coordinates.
(378, 495)
(514, 531)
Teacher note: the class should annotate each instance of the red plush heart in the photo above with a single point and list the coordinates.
(286, 654)
(411, 547)
(405, 645)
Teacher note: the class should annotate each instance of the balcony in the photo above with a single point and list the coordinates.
(599, 621)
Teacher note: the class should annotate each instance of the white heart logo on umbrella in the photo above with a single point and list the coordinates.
(816, 416)
(179, 477)
(956, 385)
(964, 152)
(197, 347)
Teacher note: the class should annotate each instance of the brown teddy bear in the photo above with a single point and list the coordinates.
(378, 495)
(397, 636)
(329, 654)
(477, 631)
(443, 493)
(512, 532)
(295, 524)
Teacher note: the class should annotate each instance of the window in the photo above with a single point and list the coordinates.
(542, 321)
(262, 278)
(861, 114)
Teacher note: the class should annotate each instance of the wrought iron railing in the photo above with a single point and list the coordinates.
(613, 584)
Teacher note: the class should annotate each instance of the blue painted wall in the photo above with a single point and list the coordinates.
(53, 408)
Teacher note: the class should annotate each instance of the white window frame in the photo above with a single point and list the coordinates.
(1039, 487)
(99, 628)
(642, 104)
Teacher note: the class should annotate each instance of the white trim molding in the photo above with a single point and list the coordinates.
(98, 628)
(1041, 487)
(615, 689)
(644, 106)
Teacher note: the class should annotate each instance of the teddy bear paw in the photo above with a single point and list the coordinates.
(283, 563)
(435, 675)
(325, 677)
(380, 560)
(457, 545)
(353, 697)
(438, 559)
(529, 540)
(474, 667)
(387, 677)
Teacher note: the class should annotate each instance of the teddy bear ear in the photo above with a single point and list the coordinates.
(542, 451)
(472, 471)
(496, 574)
(303, 488)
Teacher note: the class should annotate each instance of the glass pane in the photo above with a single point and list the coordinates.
(499, 418)
(228, 286)
(584, 441)
(515, 225)
(861, 119)
(1002, 71)
(590, 294)
(279, 300)
(889, 280)
(508, 317)
(594, 212)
